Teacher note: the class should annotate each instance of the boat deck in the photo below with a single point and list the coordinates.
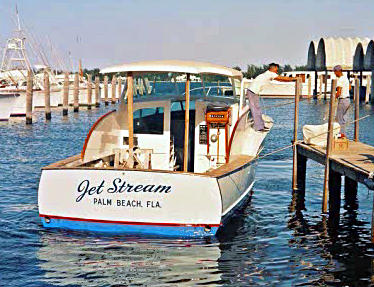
(237, 162)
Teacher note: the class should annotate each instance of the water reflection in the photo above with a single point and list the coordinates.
(343, 240)
(91, 260)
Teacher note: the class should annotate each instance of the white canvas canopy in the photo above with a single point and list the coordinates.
(175, 66)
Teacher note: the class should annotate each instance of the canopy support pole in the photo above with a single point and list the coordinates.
(241, 98)
(186, 124)
(130, 119)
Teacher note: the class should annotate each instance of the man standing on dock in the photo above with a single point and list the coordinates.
(255, 90)
(342, 93)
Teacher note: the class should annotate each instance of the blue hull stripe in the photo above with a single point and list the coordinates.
(177, 231)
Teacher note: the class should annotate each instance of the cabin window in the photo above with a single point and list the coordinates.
(149, 121)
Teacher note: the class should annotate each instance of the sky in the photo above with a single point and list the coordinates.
(231, 32)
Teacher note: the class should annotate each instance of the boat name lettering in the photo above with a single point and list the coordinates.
(118, 185)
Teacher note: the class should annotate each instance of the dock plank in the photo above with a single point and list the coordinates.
(356, 163)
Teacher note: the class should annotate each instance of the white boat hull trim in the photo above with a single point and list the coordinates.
(117, 201)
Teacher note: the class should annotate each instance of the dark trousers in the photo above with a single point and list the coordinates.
(254, 106)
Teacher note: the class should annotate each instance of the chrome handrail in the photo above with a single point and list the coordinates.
(208, 88)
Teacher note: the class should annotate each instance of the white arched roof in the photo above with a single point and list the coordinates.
(312, 51)
(334, 51)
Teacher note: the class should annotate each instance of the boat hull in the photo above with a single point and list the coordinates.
(7, 102)
(185, 204)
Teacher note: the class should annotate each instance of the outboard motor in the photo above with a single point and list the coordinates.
(218, 116)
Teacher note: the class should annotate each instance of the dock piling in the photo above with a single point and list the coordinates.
(119, 87)
(76, 93)
(114, 82)
(309, 86)
(89, 91)
(296, 125)
(29, 96)
(372, 86)
(65, 96)
(325, 83)
(47, 96)
(97, 91)
(320, 86)
(301, 172)
(350, 192)
(328, 147)
(335, 182)
(106, 90)
(368, 87)
(357, 108)
(372, 222)
(315, 90)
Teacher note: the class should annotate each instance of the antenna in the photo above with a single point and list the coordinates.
(14, 53)
(18, 21)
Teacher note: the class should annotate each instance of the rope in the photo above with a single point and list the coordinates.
(284, 104)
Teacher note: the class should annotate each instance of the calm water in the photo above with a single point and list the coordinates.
(270, 243)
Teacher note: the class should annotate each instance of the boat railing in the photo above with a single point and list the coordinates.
(208, 89)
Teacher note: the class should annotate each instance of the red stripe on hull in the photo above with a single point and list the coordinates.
(128, 222)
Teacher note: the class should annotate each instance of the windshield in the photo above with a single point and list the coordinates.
(172, 84)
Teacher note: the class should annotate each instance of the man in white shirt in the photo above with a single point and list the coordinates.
(342, 94)
(255, 90)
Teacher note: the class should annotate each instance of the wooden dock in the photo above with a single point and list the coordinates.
(356, 163)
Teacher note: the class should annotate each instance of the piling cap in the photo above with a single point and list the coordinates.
(338, 68)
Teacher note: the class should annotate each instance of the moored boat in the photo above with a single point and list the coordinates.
(7, 103)
(171, 165)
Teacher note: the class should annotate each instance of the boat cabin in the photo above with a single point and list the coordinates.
(187, 131)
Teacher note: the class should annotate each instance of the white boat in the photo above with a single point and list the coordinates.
(7, 103)
(170, 165)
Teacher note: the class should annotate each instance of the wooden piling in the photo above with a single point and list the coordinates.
(119, 87)
(29, 96)
(325, 83)
(106, 90)
(186, 124)
(320, 86)
(360, 84)
(335, 182)
(372, 87)
(89, 91)
(295, 129)
(310, 86)
(47, 97)
(315, 92)
(65, 96)
(97, 91)
(357, 108)
(76, 93)
(368, 88)
(350, 192)
(114, 82)
(301, 172)
(372, 222)
(328, 147)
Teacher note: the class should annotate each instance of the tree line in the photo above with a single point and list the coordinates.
(251, 72)
(254, 70)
